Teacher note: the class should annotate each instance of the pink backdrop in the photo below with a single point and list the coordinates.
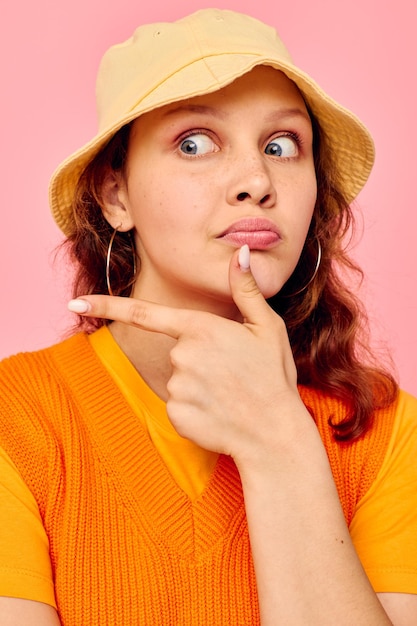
(364, 53)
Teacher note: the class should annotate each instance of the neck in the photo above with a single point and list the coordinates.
(149, 354)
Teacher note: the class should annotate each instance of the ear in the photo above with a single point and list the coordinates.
(115, 201)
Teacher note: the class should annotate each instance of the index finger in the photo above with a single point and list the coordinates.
(140, 313)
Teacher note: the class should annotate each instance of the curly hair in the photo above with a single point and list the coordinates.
(88, 243)
(326, 322)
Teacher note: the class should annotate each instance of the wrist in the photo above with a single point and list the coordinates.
(290, 443)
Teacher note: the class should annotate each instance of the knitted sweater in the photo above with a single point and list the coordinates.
(127, 545)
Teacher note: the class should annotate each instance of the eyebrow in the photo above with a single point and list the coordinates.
(195, 108)
(288, 113)
(276, 114)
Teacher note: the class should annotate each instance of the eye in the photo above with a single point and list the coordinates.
(198, 144)
(284, 146)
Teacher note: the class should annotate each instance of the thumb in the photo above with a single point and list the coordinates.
(245, 291)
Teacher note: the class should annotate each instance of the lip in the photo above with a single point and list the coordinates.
(258, 233)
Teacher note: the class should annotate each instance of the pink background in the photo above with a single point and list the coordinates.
(364, 53)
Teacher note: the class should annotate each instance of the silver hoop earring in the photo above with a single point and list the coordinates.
(109, 249)
(316, 269)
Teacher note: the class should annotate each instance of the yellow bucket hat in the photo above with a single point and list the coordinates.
(200, 53)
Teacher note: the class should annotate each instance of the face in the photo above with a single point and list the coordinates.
(205, 176)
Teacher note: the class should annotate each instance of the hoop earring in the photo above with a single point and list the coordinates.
(316, 269)
(109, 249)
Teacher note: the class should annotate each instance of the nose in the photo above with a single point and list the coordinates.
(252, 185)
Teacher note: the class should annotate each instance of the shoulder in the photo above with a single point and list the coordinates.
(27, 374)
(26, 360)
(38, 404)
(405, 410)
(355, 465)
(401, 413)
(401, 452)
(33, 388)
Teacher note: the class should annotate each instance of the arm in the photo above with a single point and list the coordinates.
(384, 526)
(25, 567)
(306, 567)
(17, 612)
(401, 607)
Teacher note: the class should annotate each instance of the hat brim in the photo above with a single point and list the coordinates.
(350, 142)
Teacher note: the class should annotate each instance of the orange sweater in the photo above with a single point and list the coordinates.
(127, 545)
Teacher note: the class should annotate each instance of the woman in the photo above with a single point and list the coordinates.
(222, 450)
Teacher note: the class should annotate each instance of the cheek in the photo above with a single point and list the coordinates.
(150, 204)
(306, 202)
(300, 223)
(164, 222)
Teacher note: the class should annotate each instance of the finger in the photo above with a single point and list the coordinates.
(245, 291)
(140, 313)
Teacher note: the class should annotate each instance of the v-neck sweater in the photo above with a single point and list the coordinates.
(127, 545)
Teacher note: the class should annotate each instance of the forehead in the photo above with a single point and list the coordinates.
(263, 85)
(261, 79)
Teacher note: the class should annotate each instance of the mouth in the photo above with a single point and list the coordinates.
(257, 233)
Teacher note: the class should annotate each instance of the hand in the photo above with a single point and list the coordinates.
(231, 381)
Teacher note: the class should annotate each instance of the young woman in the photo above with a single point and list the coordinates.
(221, 449)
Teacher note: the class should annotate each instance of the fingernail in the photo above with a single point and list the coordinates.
(244, 257)
(78, 306)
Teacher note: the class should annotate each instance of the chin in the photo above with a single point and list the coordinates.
(267, 289)
(269, 293)
(270, 273)
(268, 285)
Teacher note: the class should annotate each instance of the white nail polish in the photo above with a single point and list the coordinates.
(78, 306)
(244, 257)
